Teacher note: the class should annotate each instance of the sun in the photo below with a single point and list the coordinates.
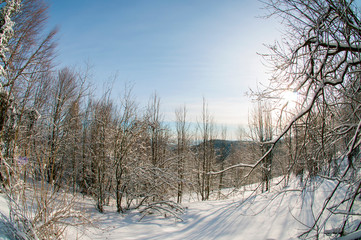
(290, 98)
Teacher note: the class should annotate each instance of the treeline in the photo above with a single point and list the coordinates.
(113, 150)
(57, 140)
(55, 135)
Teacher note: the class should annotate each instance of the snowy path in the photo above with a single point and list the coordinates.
(225, 219)
(265, 216)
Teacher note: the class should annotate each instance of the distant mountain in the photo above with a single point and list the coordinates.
(223, 148)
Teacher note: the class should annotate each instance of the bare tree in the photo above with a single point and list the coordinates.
(155, 129)
(261, 130)
(128, 130)
(101, 133)
(320, 60)
(25, 58)
(182, 128)
(206, 154)
(29, 55)
(26, 85)
(64, 101)
(222, 159)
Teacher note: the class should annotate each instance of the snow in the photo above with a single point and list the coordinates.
(351, 236)
(280, 214)
(5, 228)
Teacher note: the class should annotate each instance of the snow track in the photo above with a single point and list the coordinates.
(277, 215)
(280, 214)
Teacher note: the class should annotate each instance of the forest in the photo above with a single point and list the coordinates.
(60, 141)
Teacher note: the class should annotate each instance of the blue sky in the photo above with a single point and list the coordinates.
(184, 50)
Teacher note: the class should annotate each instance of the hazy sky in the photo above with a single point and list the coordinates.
(182, 49)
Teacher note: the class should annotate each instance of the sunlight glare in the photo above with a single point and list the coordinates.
(290, 97)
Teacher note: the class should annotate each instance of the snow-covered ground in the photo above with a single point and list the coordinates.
(280, 214)
(6, 230)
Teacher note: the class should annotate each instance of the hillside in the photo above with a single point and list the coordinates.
(280, 214)
(283, 213)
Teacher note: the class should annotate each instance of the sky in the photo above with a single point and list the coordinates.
(184, 50)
